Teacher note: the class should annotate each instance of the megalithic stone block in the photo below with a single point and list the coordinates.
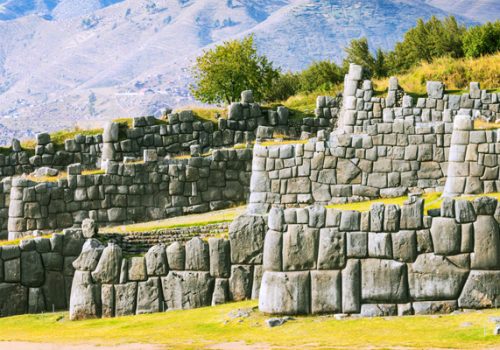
(351, 287)
(285, 293)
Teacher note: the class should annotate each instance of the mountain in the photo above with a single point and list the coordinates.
(478, 10)
(67, 62)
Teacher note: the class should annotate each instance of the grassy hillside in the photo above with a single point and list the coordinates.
(221, 328)
(455, 73)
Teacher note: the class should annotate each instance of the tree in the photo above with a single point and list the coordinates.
(482, 40)
(222, 73)
(285, 85)
(320, 75)
(358, 52)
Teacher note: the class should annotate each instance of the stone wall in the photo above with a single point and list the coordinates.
(388, 261)
(36, 275)
(176, 276)
(473, 160)
(131, 192)
(394, 157)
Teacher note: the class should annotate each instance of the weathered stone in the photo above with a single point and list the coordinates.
(481, 290)
(125, 299)
(433, 277)
(85, 297)
(435, 89)
(485, 205)
(331, 250)
(246, 235)
(197, 255)
(240, 282)
(56, 291)
(89, 257)
(89, 228)
(326, 292)
(350, 220)
(412, 214)
(346, 171)
(317, 215)
(149, 296)
(137, 269)
(13, 299)
(357, 244)
(220, 257)
(258, 271)
(379, 245)
(445, 236)
(285, 293)
(221, 291)
(32, 272)
(12, 270)
(73, 242)
(351, 287)
(187, 289)
(156, 261)
(486, 255)
(378, 310)
(434, 307)
(404, 246)
(299, 248)
(273, 247)
(176, 256)
(36, 301)
(111, 131)
(383, 281)
(377, 217)
(108, 268)
(276, 219)
(108, 300)
(464, 211)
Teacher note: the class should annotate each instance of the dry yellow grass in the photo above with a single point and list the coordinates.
(213, 217)
(283, 142)
(17, 241)
(481, 124)
(455, 73)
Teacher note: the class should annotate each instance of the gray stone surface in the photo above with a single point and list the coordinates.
(300, 244)
(32, 272)
(378, 310)
(220, 258)
(351, 287)
(85, 297)
(331, 250)
(125, 298)
(326, 292)
(383, 281)
(89, 257)
(197, 255)
(285, 293)
(240, 282)
(13, 299)
(108, 268)
(486, 253)
(149, 296)
(156, 261)
(176, 256)
(433, 277)
(481, 290)
(273, 247)
(445, 236)
(187, 289)
(434, 307)
(137, 269)
(246, 234)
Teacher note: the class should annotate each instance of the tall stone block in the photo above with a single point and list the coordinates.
(285, 293)
(383, 281)
(326, 293)
(351, 287)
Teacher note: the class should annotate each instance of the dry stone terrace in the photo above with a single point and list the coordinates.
(289, 250)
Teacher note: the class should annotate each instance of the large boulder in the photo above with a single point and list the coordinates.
(433, 277)
(286, 293)
(481, 290)
(13, 299)
(351, 287)
(137, 269)
(32, 272)
(273, 247)
(326, 292)
(108, 268)
(240, 282)
(300, 248)
(56, 290)
(197, 255)
(331, 251)
(445, 234)
(85, 297)
(149, 296)
(220, 259)
(486, 253)
(383, 281)
(89, 257)
(187, 289)
(246, 236)
(176, 256)
(156, 261)
(89, 228)
(125, 298)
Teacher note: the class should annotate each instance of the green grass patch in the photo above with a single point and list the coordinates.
(213, 327)
(214, 217)
(18, 240)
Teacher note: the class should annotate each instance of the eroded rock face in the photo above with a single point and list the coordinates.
(481, 290)
(246, 235)
(383, 281)
(187, 289)
(13, 299)
(285, 293)
(156, 261)
(125, 296)
(486, 253)
(149, 296)
(85, 297)
(89, 257)
(108, 268)
(433, 277)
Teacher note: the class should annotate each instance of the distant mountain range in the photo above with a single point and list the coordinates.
(67, 62)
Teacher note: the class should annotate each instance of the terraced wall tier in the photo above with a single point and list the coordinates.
(388, 261)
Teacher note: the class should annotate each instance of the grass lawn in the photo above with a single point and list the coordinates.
(213, 217)
(433, 200)
(206, 327)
